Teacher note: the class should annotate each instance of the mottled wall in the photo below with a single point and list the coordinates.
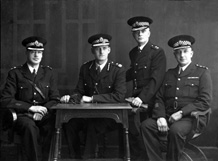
(67, 24)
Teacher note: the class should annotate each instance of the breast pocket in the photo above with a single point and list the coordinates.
(24, 91)
(44, 87)
(169, 90)
(191, 88)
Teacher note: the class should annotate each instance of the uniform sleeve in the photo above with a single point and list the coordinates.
(158, 67)
(159, 107)
(8, 99)
(53, 96)
(118, 94)
(79, 90)
(203, 101)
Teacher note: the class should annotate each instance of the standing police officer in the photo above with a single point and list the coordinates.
(185, 89)
(102, 81)
(148, 66)
(31, 90)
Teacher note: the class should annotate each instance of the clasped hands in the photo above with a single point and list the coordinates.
(66, 99)
(38, 112)
(162, 123)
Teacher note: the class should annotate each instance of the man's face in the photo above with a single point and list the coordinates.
(101, 52)
(183, 56)
(34, 57)
(142, 36)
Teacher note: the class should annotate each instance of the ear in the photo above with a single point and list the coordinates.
(109, 49)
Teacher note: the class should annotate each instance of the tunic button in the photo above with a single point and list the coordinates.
(176, 98)
(96, 84)
(34, 93)
(135, 87)
(135, 71)
(34, 101)
(136, 64)
(177, 88)
(179, 79)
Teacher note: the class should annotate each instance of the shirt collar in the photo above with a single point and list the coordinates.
(102, 65)
(141, 47)
(31, 68)
(184, 67)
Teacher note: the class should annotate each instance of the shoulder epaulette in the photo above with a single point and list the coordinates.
(16, 67)
(116, 64)
(201, 66)
(155, 47)
(46, 67)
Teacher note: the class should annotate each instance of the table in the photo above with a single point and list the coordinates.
(64, 112)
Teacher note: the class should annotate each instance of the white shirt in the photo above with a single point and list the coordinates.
(183, 68)
(31, 68)
(101, 66)
(141, 47)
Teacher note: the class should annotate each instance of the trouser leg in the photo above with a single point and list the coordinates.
(29, 132)
(91, 140)
(176, 138)
(72, 130)
(46, 126)
(151, 139)
(135, 139)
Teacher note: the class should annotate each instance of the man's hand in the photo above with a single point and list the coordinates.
(162, 125)
(86, 99)
(137, 102)
(40, 109)
(175, 117)
(37, 116)
(65, 99)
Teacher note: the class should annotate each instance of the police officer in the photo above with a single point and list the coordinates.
(31, 90)
(185, 89)
(100, 81)
(146, 73)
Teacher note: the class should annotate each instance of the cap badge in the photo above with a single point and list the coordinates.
(138, 24)
(182, 43)
(36, 43)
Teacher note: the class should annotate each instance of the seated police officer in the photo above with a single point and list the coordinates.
(30, 90)
(100, 81)
(185, 89)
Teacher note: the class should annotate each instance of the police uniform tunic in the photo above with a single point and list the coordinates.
(189, 91)
(21, 92)
(109, 86)
(147, 71)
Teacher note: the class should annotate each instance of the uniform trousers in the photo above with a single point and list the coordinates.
(91, 127)
(35, 134)
(174, 139)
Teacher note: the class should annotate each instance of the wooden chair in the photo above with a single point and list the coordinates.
(192, 151)
(8, 134)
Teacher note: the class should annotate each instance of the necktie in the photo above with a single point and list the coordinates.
(180, 70)
(34, 73)
(98, 70)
